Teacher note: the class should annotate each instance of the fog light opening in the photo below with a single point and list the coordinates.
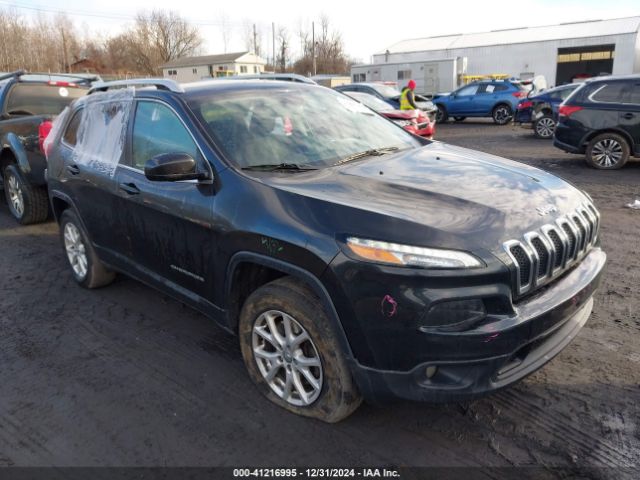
(431, 371)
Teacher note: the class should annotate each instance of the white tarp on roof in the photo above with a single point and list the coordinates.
(595, 28)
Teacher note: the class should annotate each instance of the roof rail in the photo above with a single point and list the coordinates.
(159, 83)
(17, 73)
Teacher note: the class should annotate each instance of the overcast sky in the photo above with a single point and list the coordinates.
(367, 27)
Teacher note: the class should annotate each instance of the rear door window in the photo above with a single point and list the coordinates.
(561, 94)
(608, 92)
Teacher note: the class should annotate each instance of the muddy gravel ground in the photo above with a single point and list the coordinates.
(125, 376)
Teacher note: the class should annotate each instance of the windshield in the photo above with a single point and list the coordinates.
(374, 103)
(39, 99)
(304, 126)
(385, 90)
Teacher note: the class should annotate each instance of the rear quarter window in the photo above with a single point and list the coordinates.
(607, 92)
(70, 136)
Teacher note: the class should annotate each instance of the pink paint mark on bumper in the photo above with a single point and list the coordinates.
(389, 306)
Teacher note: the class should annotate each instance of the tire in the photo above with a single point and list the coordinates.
(459, 119)
(334, 395)
(544, 127)
(502, 114)
(87, 269)
(608, 151)
(441, 115)
(27, 203)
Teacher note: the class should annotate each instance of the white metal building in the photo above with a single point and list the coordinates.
(561, 53)
(191, 69)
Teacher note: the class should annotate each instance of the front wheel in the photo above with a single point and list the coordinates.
(607, 151)
(292, 354)
(27, 203)
(544, 127)
(502, 114)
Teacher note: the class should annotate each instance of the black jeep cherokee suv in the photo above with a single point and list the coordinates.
(352, 258)
(601, 119)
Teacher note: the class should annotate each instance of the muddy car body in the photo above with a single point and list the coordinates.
(404, 267)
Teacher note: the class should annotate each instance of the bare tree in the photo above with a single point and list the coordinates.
(283, 49)
(159, 37)
(329, 50)
(53, 43)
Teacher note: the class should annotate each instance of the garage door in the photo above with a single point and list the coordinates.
(576, 63)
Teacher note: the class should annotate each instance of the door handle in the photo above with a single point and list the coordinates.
(73, 169)
(130, 188)
(628, 116)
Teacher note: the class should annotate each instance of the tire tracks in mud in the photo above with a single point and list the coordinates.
(565, 433)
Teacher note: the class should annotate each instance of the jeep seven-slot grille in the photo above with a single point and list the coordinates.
(544, 254)
(558, 246)
(521, 257)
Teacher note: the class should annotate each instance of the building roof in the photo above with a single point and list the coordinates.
(590, 28)
(203, 60)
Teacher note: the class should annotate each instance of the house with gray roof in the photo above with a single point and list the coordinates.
(191, 69)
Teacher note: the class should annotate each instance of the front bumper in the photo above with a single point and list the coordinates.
(544, 324)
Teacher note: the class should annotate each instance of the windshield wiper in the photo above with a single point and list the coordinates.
(367, 153)
(271, 167)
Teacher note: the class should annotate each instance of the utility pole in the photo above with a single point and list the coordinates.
(255, 42)
(313, 45)
(273, 44)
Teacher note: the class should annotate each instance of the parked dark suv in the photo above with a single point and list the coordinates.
(540, 111)
(352, 258)
(602, 120)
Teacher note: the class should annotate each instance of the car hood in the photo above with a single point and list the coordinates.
(455, 191)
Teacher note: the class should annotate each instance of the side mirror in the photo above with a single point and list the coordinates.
(172, 167)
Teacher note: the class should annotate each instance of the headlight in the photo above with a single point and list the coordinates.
(395, 254)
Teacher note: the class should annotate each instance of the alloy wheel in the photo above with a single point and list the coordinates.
(502, 115)
(76, 251)
(545, 127)
(607, 153)
(287, 358)
(16, 198)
